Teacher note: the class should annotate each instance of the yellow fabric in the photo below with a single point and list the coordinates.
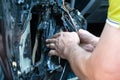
(114, 11)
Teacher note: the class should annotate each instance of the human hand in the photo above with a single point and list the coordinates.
(88, 40)
(60, 41)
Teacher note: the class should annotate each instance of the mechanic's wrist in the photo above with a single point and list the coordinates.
(69, 51)
(78, 58)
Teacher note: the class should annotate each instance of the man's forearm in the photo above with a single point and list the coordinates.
(103, 63)
(78, 58)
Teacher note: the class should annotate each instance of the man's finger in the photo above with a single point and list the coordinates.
(51, 41)
(56, 35)
(87, 47)
(53, 52)
(51, 45)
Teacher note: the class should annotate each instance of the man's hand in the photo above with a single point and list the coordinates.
(60, 41)
(88, 40)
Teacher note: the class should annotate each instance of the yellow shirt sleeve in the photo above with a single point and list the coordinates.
(114, 12)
